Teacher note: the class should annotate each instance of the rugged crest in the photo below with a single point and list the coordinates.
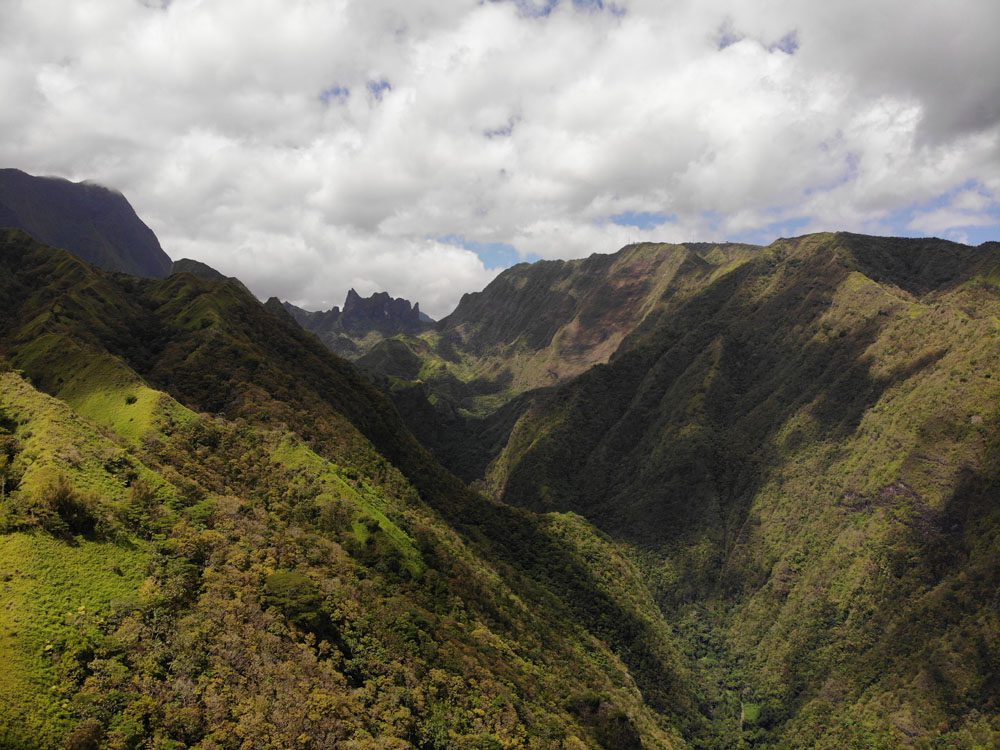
(798, 443)
(363, 322)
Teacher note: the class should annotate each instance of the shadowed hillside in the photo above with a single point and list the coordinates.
(796, 443)
(92, 222)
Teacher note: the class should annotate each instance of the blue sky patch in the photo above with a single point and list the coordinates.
(768, 233)
(897, 223)
(640, 219)
(534, 8)
(501, 132)
(789, 43)
(334, 93)
(378, 88)
(493, 254)
(728, 36)
(966, 233)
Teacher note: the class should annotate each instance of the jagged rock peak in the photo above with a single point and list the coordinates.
(380, 307)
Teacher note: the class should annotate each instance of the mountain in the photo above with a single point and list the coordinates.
(204, 271)
(197, 268)
(463, 383)
(92, 222)
(363, 322)
(216, 533)
(716, 496)
(539, 324)
(797, 444)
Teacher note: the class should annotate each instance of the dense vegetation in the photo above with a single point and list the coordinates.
(737, 497)
(463, 384)
(798, 445)
(215, 533)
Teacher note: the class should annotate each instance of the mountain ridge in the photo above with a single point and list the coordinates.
(798, 447)
(92, 221)
(272, 468)
(693, 495)
(362, 323)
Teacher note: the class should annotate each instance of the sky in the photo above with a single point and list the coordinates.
(420, 146)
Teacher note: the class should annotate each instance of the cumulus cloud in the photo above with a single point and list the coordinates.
(309, 146)
(954, 217)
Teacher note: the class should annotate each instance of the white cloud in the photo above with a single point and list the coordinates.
(501, 125)
(968, 208)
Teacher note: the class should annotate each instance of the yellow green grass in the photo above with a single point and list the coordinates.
(51, 593)
(59, 443)
(99, 386)
(363, 498)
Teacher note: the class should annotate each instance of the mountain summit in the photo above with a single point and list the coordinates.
(362, 323)
(92, 222)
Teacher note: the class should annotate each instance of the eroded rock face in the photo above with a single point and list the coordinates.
(380, 312)
(362, 323)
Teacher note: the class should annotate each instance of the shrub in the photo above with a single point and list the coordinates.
(143, 511)
(299, 600)
(612, 727)
(9, 475)
(58, 509)
(86, 736)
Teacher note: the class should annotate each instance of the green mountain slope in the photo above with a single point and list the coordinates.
(92, 222)
(796, 444)
(757, 505)
(539, 324)
(462, 385)
(215, 533)
(803, 452)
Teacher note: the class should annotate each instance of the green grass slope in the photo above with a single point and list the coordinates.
(56, 584)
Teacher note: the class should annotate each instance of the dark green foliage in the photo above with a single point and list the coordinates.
(611, 726)
(299, 600)
(10, 447)
(144, 511)
(86, 736)
(59, 510)
(77, 513)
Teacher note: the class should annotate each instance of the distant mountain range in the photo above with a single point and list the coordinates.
(362, 323)
(100, 226)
